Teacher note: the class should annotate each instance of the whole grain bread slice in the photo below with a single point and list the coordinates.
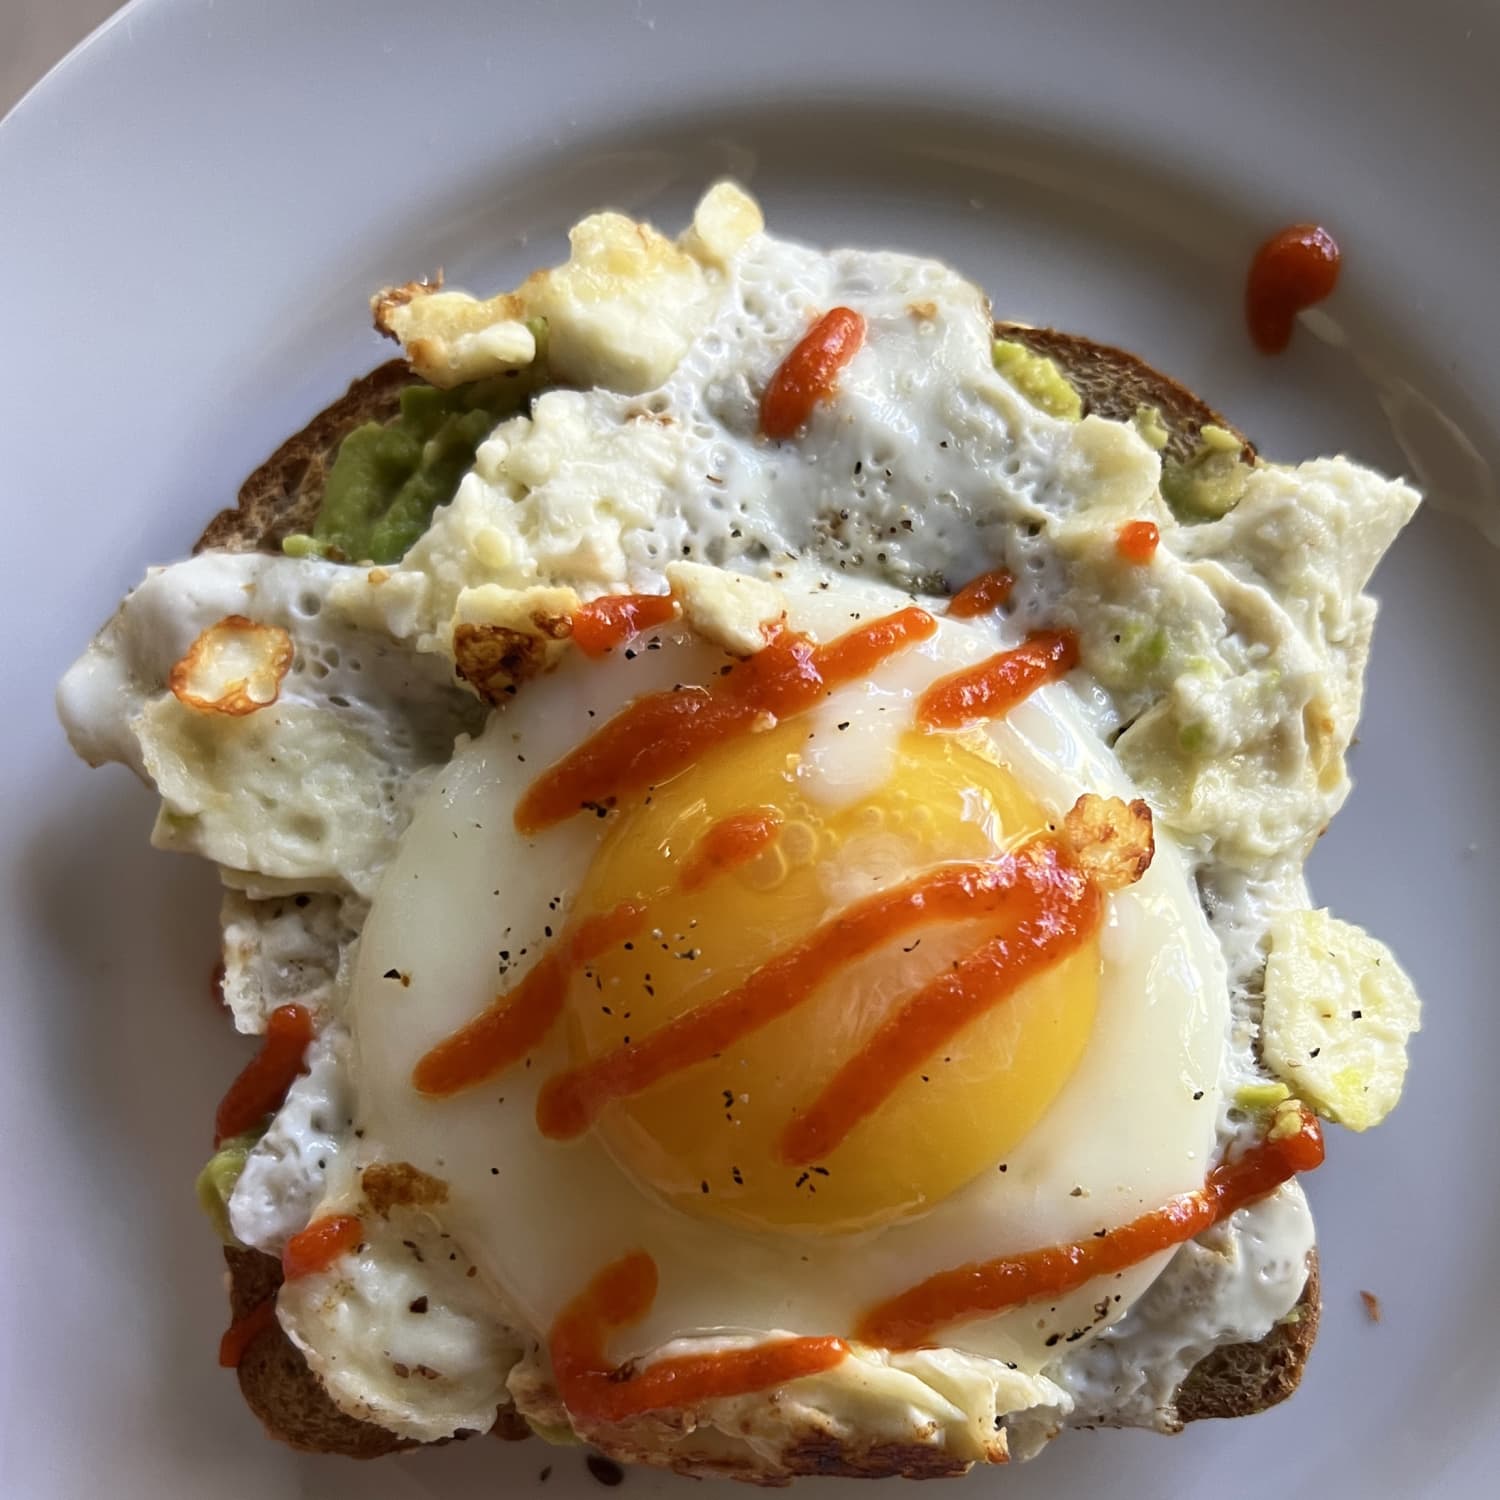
(282, 497)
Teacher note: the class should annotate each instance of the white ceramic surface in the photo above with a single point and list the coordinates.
(192, 211)
(36, 34)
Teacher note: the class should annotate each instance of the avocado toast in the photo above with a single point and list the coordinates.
(282, 499)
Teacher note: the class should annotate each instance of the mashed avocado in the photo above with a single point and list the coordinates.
(217, 1179)
(557, 1436)
(1152, 429)
(1210, 483)
(1038, 379)
(1261, 1096)
(388, 479)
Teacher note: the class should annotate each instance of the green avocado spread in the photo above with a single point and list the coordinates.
(1210, 483)
(1152, 429)
(217, 1179)
(1038, 379)
(388, 478)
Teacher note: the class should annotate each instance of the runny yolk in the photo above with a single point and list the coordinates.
(711, 1048)
(1055, 911)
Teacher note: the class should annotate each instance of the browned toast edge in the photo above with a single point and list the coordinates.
(282, 496)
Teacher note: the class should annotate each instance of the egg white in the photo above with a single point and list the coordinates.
(541, 1217)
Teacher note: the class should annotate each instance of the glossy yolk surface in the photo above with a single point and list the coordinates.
(706, 1137)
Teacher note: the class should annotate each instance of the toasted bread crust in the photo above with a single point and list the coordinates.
(1115, 383)
(281, 497)
(284, 1393)
(277, 1384)
(1240, 1379)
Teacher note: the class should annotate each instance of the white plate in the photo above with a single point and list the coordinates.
(195, 206)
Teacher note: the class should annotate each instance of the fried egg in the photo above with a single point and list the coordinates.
(991, 1146)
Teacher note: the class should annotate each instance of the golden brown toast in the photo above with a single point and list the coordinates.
(282, 496)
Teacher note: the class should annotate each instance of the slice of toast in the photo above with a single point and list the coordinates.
(281, 497)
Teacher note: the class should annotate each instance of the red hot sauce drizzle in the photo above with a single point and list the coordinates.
(261, 1086)
(610, 620)
(915, 1317)
(996, 685)
(594, 1390)
(1137, 541)
(320, 1244)
(518, 1020)
(809, 374)
(244, 1331)
(1054, 908)
(663, 733)
(729, 843)
(1294, 269)
(980, 595)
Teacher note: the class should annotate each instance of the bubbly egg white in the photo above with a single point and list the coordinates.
(918, 474)
(307, 794)
(465, 884)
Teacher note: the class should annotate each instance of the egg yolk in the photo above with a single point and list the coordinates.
(745, 855)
